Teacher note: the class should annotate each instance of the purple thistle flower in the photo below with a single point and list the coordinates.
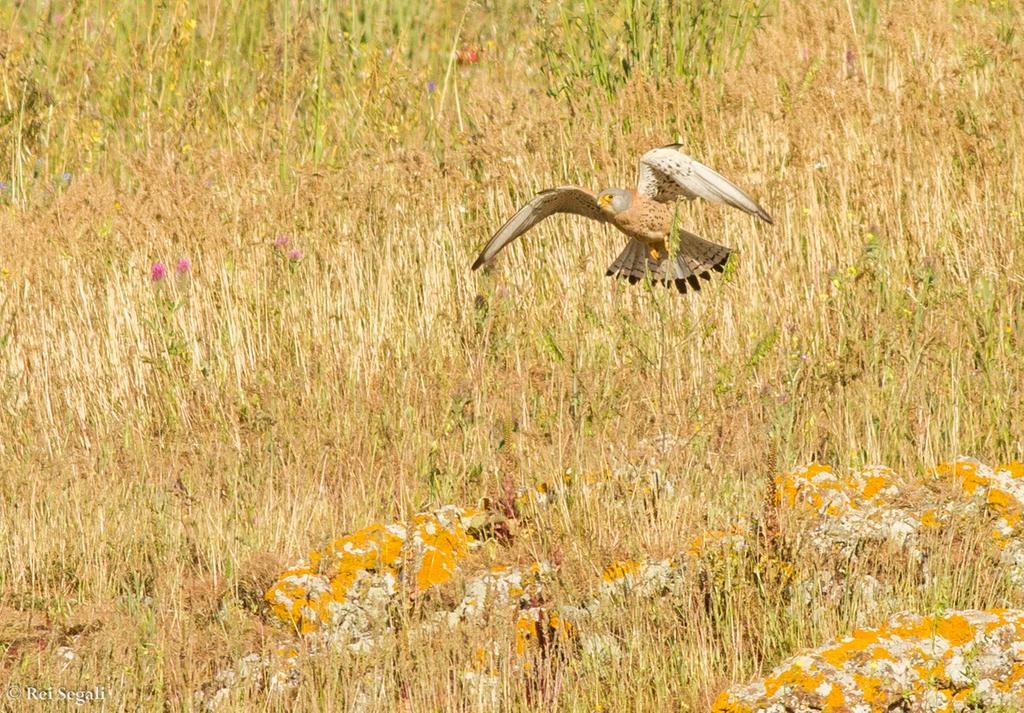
(281, 241)
(66, 177)
(184, 266)
(431, 86)
(295, 254)
(157, 272)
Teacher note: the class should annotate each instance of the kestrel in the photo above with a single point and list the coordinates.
(645, 214)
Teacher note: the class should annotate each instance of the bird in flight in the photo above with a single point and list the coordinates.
(646, 215)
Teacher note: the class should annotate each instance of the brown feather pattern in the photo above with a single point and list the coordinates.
(695, 259)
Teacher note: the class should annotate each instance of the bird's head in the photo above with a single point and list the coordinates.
(614, 200)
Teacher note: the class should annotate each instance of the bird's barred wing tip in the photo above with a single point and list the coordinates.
(667, 174)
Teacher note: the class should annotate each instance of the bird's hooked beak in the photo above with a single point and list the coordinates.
(604, 200)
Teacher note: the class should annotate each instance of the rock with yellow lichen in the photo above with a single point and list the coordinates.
(672, 576)
(956, 661)
(340, 597)
(840, 513)
(998, 492)
(641, 579)
(499, 587)
(347, 586)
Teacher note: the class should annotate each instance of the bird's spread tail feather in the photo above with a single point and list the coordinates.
(695, 259)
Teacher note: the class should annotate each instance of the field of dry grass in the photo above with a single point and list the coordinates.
(324, 358)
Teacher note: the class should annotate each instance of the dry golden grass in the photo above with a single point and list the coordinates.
(167, 448)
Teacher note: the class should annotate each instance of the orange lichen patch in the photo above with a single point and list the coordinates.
(286, 651)
(919, 661)
(619, 570)
(565, 629)
(879, 653)
(809, 488)
(300, 597)
(930, 518)
(793, 677)
(817, 489)
(1014, 680)
(629, 577)
(970, 474)
(870, 687)
(441, 540)
(363, 570)
(911, 627)
(725, 704)
(874, 482)
(1000, 490)
(527, 633)
(372, 549)
(539, 630)
(816, 492)
(835, 698)
(839, 654)
(303, 596)
(1006, 505)
(955, 629)
(873, 486)
(1014, 468)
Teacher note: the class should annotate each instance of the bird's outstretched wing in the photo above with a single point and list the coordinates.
(667, 174)
(564, 199)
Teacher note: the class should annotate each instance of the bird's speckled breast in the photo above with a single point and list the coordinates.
(646, 220)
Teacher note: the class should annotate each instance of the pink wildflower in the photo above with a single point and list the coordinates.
(281, 241)
(295, 254)
(157, 272)
(184, 266)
